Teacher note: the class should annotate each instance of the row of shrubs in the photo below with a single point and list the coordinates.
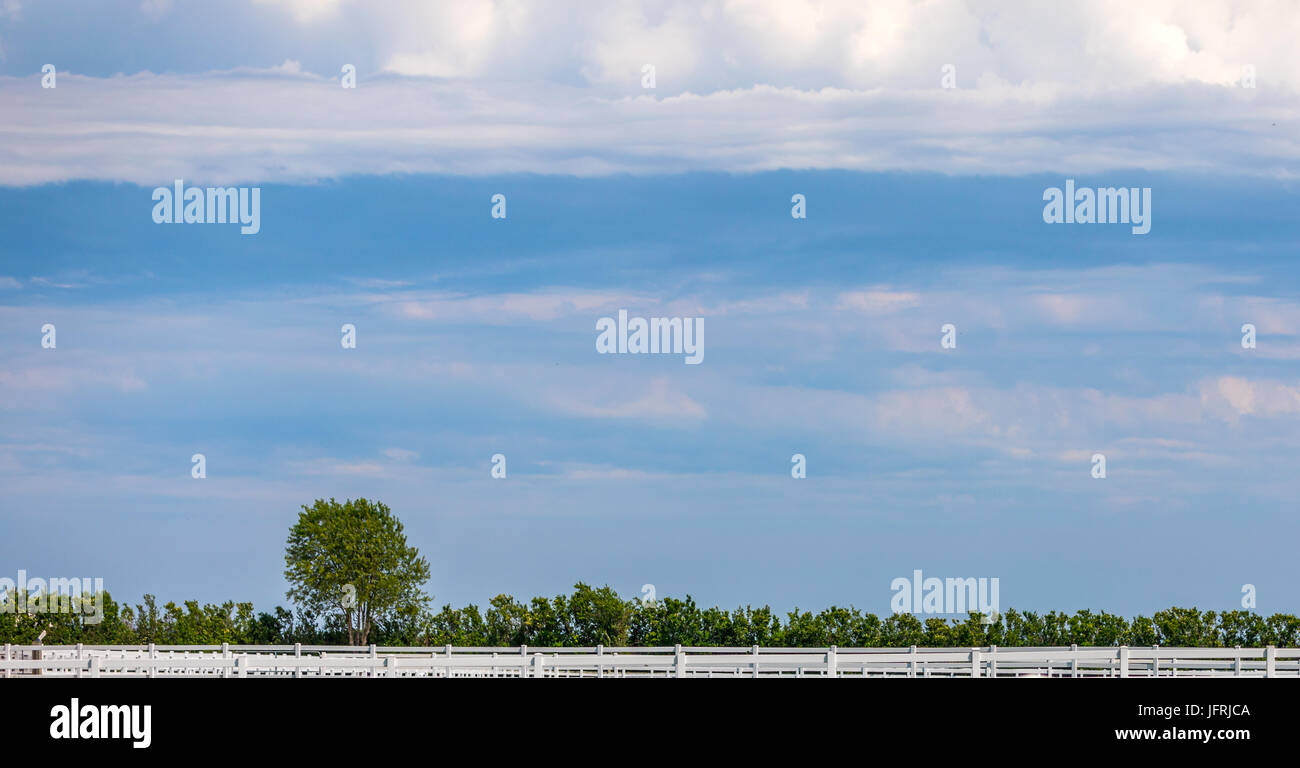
(591, 616)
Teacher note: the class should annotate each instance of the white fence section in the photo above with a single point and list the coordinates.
(340, 661)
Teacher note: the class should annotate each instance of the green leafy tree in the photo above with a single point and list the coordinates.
(546, 623)
(902, 630)
(507, 622)
(599, 616)
(351, 561)
(1186, 627)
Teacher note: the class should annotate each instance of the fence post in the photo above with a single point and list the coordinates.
(297, 659)
(153, 660)
(680, 661)
(974, 662)
(8, 657)
(94, 666)
(538, 661)
(914, 661)
(241, 666)
(1074, 659)
(1236, 664)
(600, 668)
(1123, 661)
(390, 666)
(832, 665)
(993, 661)
(756, 661)
(1270, 661)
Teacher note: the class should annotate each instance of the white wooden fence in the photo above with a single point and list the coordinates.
(339, 661)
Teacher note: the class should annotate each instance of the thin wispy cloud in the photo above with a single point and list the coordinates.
(224, 128)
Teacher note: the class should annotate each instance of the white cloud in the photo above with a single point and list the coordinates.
(811, 44)
(1191, 396)
(156, 9)
(479, 88)
(339, 467)
(1233, 396)
(509, 307)
(28, 385)
(878, 302)
(605, 472)
(304, 11)
(661, 402)
(1066, 309)
(945, 410)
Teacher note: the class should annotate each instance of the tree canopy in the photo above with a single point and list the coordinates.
(351, 559)
(590, 616)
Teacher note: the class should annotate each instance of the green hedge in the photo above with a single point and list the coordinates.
(592, 616)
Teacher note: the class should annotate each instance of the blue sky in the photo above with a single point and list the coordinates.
(477, 336)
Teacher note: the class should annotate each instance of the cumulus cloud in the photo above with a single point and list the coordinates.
(478, 88)
(813, 44)
(1235, 396)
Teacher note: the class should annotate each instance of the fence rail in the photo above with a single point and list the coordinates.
(673, 661)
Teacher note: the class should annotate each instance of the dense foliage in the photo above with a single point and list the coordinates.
(592, 616)
(350, 561)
